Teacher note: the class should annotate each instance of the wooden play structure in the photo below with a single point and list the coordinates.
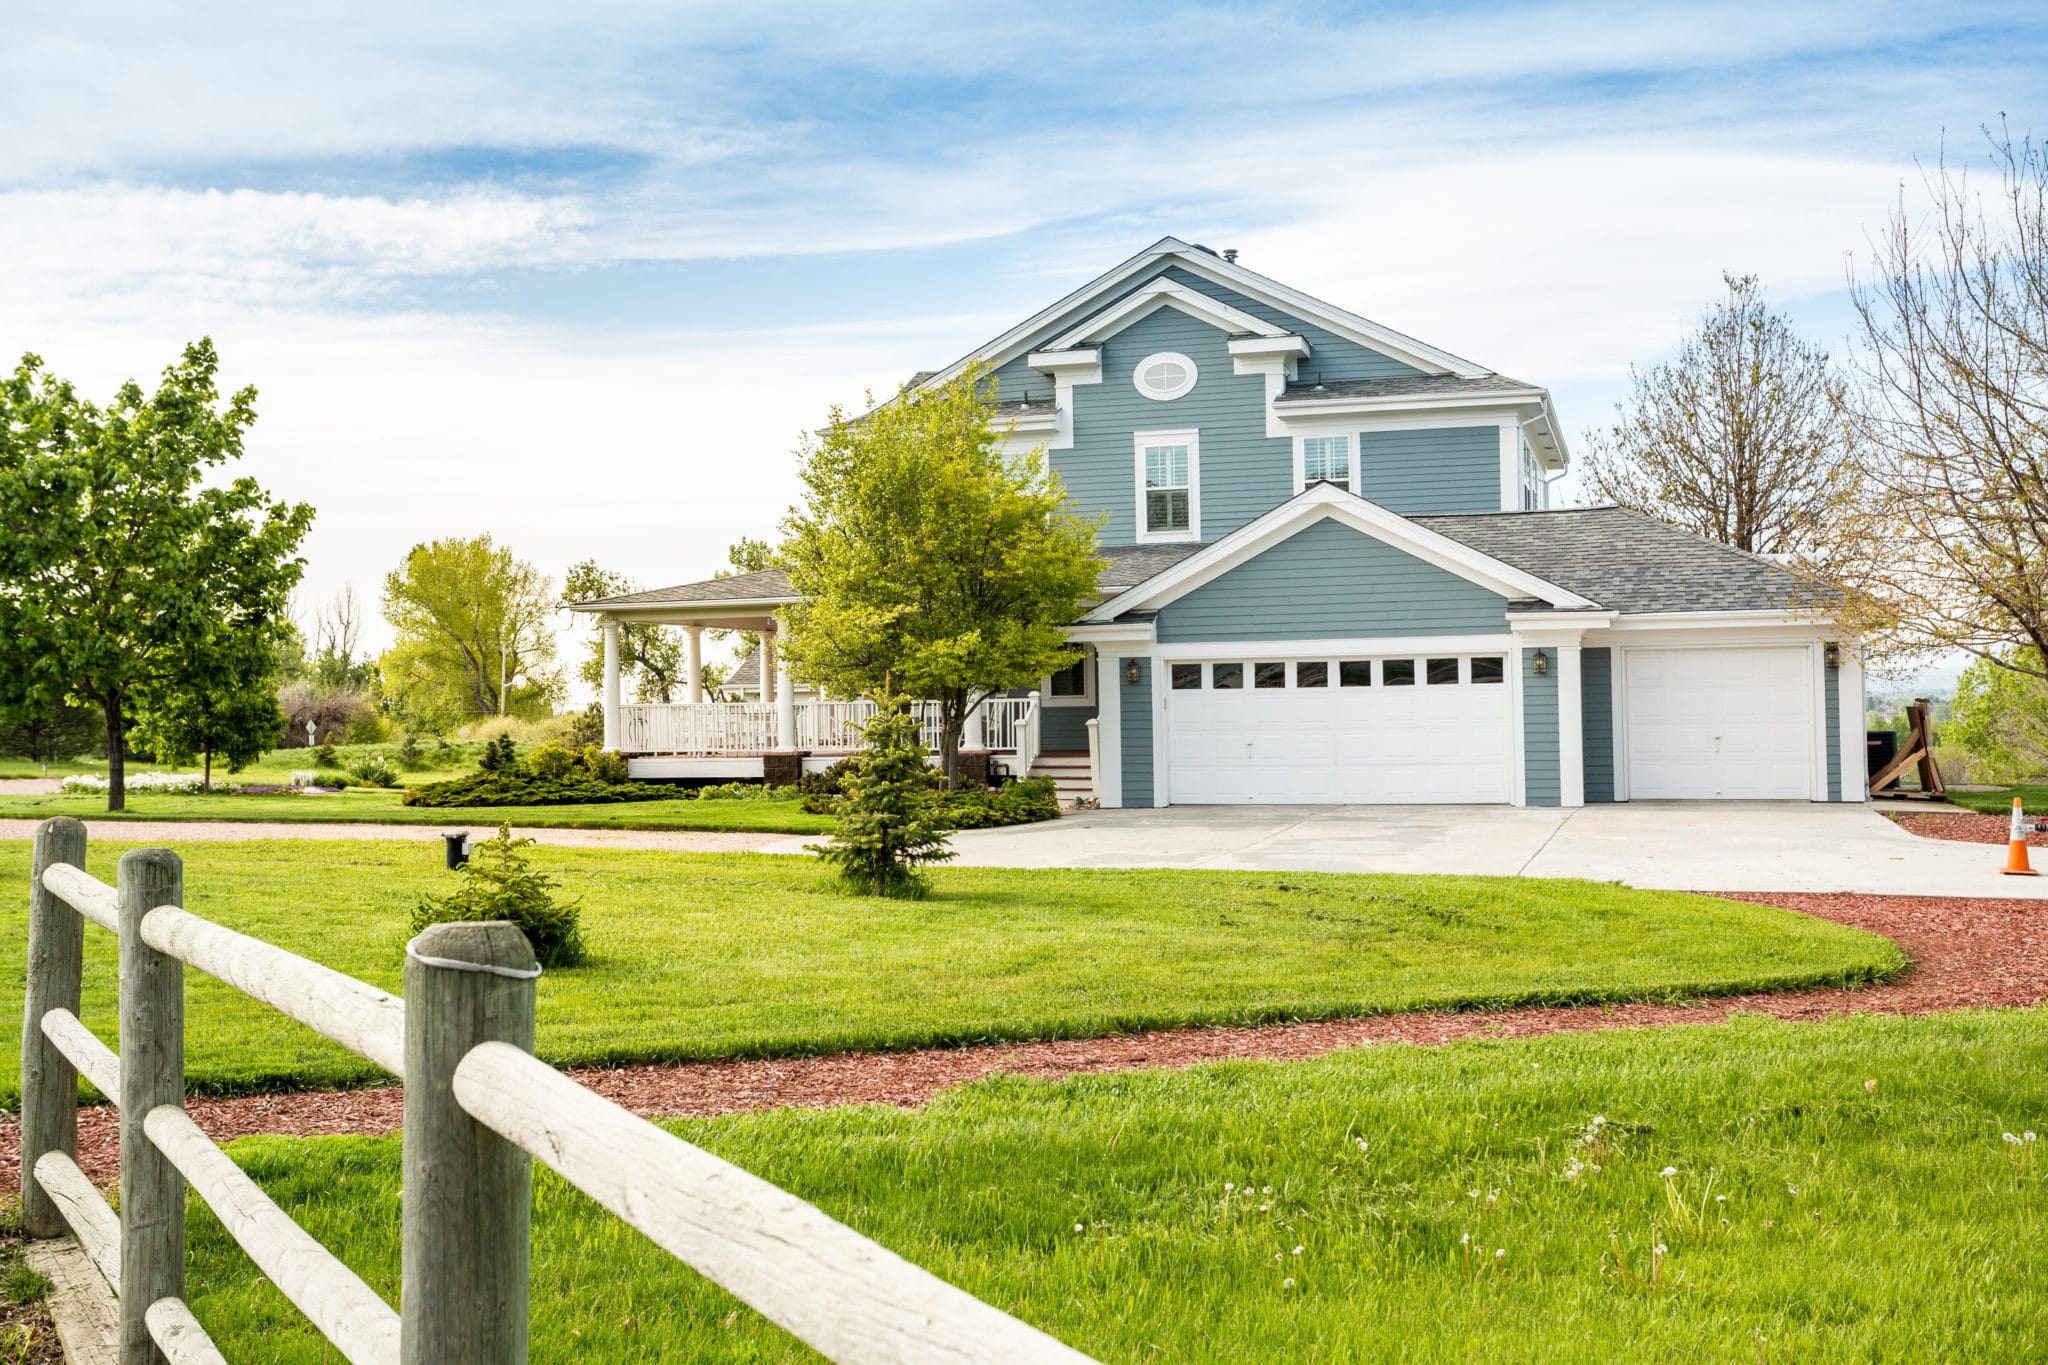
(1918, 748)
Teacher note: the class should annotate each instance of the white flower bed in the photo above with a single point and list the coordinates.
(170, 784)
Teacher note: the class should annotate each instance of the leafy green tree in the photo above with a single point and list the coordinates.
(51, 733)
(931, 562)
(115, 555)
(745, 555)
(473, 637)
(222, 704)
(2001, 717)
(652, 656)
(889, 819)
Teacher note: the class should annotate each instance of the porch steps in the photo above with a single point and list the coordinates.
(1069, 774)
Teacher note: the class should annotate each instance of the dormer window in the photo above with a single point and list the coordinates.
(1164, 376)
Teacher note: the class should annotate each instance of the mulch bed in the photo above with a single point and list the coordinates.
(1966, 954)
(1965, 827)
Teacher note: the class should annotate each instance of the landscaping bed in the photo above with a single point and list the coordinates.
(362, 806)
(1748, 1190)
(1964, 827)
(703, 957)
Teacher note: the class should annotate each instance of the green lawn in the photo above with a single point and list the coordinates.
(1811, 1217)
(276, 765)
(705, 956)
(2033, 794)
(359, 806)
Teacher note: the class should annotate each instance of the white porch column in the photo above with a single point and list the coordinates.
(611, 684)
(1109, 729)
(693, 667)
(785, 708)
(1855, 750)
(768, 664)
(1571, 727)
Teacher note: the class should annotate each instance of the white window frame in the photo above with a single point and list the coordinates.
(1192, 440)
(1138, 376)
(1351, 444)
(1087, 697)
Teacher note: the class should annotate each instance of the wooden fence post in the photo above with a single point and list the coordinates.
(468, 1192)
(49, 1083)
(152, 1073)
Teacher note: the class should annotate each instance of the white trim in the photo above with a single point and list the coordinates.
(1088, 685)
(1518, 794)
(1818, 652)
(1160, 293)
(1395, 402)
(1571, 726)
(1314, 505)
(1137, 634)
(1287, 346)
(1351, 647)
(1194, 373)
(1109, 732)
(1162, 766)
(1192, 439)
(1060, 362)
(1851, 740)
(1617, 709)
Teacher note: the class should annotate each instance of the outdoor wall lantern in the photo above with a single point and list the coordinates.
(1130, 672)
(1541, 663)
(1834, 655)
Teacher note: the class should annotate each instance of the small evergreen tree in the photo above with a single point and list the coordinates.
(499, 883)
(889, 821)
(499, 755)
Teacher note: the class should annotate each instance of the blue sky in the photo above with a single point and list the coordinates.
(581, 280)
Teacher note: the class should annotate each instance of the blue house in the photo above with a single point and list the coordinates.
(1333, 575)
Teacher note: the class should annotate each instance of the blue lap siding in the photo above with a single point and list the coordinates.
(1539, 732)
(1596, 711)
(1135, 714)
(1328, 581)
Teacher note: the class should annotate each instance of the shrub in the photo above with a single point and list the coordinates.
(499, 883)
(889, 823)
(603, 765)
(1019, 803)
(552, 761)
(334, 780)
(499, 756)
(829, 782)
(373, 771)
(410, 756)
(325, 756)
(586, 727)
(164, 784)
(524, 789)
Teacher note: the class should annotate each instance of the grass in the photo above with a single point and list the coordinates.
(703, 956)
(1319, 1210)
(276, 766)
(360, 806)
(1999, 802)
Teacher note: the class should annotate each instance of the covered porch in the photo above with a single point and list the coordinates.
(778, 734)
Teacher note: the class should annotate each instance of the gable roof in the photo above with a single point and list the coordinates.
(1632, 563)
(767, 586)
(1201, 261)
(1406, 386)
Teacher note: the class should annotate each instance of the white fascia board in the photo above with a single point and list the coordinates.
(1035, 422)
(1286, 345)
(1344, 323)
(1315, 504)
(1138, 635)
(1346, 647)
(1162, 293)
(1698, 620)
(1344, 407)
(1065, 361)
(1548, 628)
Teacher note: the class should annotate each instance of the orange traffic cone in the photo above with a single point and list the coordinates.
(2016, 851)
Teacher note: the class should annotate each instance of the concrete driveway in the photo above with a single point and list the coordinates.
(1697, 846)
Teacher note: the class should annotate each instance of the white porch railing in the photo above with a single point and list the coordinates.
(1004, 724)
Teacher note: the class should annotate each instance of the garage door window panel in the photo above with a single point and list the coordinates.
(1269, 675)
(1489, 668)
(1354, 673)
(1187, 677)
(1312, 675)
(1226, 677)
(1442, 672)
(1397, 673)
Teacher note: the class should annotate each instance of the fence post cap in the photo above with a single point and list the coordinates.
(61, 824)
(487, 943)
(139, 858)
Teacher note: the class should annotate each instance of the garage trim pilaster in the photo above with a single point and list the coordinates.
(1543, 630)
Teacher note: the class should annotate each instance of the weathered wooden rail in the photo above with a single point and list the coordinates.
(479, 1109)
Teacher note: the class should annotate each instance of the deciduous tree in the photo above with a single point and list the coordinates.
(1744, 436)
(651, 656)
(1954, 311)
(932, 562)
(116, 558)
(221, 704)
(473, 636)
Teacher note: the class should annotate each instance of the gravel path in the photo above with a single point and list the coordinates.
(1966, 954)
(174, 832)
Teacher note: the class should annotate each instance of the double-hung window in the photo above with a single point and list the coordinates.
(1169, 486)
(1326, 459)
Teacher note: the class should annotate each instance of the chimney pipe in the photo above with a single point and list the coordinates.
(1230, 254)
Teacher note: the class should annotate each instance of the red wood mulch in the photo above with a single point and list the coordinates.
(1966, 953)
(1966, 827)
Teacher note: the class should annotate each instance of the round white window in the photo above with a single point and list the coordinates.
(1169, 374)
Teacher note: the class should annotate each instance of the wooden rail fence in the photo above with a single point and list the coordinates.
(479, 1109)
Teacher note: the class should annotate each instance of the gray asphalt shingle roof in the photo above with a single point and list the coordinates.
(1629, 562)
(767, 585)
(1400, 386)
(1126, 566)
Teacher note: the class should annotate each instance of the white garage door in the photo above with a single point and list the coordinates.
(1351, 731)
(1730, 723)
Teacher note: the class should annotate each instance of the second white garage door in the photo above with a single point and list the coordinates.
(1356, 731)
(1720, 723)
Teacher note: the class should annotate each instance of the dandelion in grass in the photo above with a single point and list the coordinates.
(1299, 1250)
(1500, 1253)
(1668, 1172)
(1870, 1087)
(1078, 1227)
(1287, 1283)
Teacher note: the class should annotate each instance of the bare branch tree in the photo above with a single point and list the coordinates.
(1743, 437)
(1955, 321)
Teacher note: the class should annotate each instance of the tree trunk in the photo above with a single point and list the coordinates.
(117, 770)
(206, 780)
